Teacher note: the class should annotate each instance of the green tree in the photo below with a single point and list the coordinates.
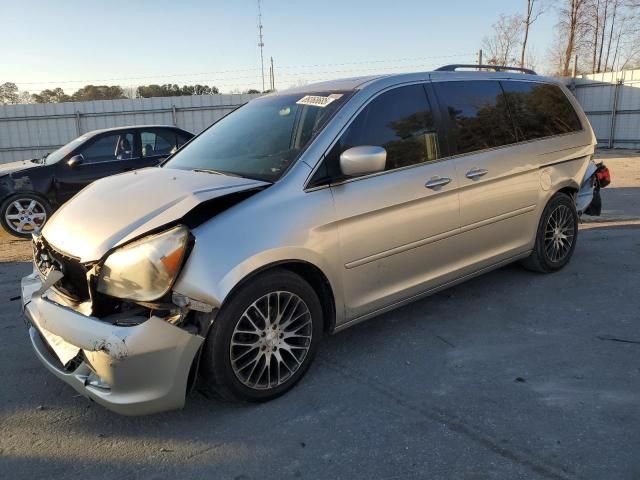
(98, 92)
(174, 90)
(55, 95)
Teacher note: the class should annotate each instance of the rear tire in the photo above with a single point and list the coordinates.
(556, 236)
(264, 338)
(24, 213)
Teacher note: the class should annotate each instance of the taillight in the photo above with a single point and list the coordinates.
(603, 176)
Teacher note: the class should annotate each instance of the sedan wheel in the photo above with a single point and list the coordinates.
(23, 216)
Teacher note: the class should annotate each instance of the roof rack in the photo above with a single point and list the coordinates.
(495, 68)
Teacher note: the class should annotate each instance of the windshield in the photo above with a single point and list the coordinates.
(261, 139)
(65, 150)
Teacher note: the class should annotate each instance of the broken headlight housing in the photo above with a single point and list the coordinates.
(145, 270)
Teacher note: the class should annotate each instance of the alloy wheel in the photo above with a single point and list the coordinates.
(559, 233)
(25, 215)
(271, 340)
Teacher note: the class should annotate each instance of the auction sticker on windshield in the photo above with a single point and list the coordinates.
(319, 101)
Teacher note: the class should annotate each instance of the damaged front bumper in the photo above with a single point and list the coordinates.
(132, 370)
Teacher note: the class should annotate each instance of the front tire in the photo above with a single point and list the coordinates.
(23, 214)
(264, 338)
(556, 236)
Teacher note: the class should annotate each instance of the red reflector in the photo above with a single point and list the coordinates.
(604, 177)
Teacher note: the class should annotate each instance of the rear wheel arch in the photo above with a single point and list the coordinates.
(570, 190)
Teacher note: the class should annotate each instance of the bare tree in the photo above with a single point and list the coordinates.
(613, 23)
(627, 38)
(530, 17)
(531, 59)
(594, 13)
(610, 25)
(571, 25)
(503, 42)
(603, 23)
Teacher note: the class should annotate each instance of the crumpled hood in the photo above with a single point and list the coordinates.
(7, 168)
(117, 209)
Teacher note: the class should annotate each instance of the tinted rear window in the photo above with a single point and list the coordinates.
(478, 114)
(540, 110)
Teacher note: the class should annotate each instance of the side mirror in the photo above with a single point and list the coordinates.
(74, 161)
(363, 160)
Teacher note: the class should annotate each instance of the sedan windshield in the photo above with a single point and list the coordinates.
(261, 139)
(63, 151)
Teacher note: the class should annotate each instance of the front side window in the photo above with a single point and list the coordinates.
(108, 148)
(65, 150)
(478, 114)
(400, 121)
(261, 139)
(540, 110)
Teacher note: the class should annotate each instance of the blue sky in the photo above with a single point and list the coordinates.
(69, 43)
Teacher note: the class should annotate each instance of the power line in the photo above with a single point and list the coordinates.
(240, 70)
(324, 73)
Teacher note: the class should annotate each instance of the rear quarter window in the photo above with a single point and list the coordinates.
(540, 110)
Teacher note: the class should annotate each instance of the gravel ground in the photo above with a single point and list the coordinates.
(511, 375)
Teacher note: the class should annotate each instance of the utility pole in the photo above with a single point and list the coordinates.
(575, 67)
(260, 40)
(273, 77)
(479, 57)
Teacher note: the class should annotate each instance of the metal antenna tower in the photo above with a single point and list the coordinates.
(260, 42)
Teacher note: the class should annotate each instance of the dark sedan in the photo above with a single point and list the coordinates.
(30, 190)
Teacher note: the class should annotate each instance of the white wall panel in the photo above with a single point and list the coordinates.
(29, 131)
(597, 94)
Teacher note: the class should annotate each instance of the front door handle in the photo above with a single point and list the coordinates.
(476, 173)
(436, 182)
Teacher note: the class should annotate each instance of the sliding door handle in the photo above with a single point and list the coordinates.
(476, 173)
(437, 182)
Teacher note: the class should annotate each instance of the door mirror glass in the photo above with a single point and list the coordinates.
(74, 161)
(363, 160)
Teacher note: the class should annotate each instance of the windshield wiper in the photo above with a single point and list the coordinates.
(217, 172)
(230, 174)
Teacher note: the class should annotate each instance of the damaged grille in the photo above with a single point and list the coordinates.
(74, 283)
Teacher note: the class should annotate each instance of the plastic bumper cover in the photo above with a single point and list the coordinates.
(131, 370)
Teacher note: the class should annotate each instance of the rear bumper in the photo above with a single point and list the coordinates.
(133, 370)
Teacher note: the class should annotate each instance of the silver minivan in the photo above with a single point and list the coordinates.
(299, 214)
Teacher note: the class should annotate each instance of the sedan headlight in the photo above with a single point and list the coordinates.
(145, 270)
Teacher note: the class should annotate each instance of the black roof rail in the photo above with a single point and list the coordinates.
(495, 68)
